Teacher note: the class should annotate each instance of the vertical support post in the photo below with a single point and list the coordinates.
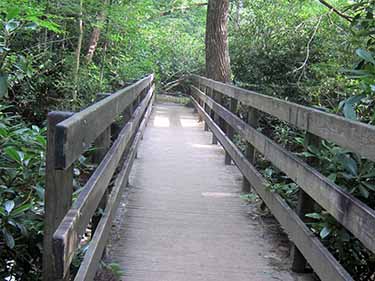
(252, 120)
(305, 205)
(219, 99)
(230, 130)
(57, 196)
(209, 92)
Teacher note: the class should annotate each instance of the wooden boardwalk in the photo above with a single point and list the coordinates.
(183, 218)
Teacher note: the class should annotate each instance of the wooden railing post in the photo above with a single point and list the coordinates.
(210, 112)
(57, 195)
(206, 90)
(305, 205)
(252, 120)
(218, 97)
(230, 130)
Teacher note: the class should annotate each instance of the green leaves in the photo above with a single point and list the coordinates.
(12, 25)
(325, 232)
(14, 154)
(348, 106)
(31, 25)
(3, 84)
(322, 225)
(316, 216)
(366, 56)
(12, 12)
(9, 239)
(349, 164)
(8, 206)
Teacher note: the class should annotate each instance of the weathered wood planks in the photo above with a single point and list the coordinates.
(66, 237)
(324, 264)
(355, 136)
(356, 216)
(57, 195)
(93, 255)
(77, 133)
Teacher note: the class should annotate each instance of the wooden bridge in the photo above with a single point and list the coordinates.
(182, 217)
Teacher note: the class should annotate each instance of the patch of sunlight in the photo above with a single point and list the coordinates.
(189, 123)
(219, 194)
(188, 117)
(197, 145)
(161, 122)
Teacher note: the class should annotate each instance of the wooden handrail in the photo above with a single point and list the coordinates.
(70, 135)
(344, 207)
(353, 214)
(319, 257)
(88, 266)
(76, 134)
(67, 235)
(355, 136)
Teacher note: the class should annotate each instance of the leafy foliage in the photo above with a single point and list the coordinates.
(303, 52)
(21, 197)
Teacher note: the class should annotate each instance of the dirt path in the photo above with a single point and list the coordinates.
(183, 218)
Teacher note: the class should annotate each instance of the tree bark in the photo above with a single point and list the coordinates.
(94, 39)
(217, 53)
(95, 34)
(78, 52)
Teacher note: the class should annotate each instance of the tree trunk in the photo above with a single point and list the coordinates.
(78, 53)
(217, 53)
(94, 39)
(95, 34)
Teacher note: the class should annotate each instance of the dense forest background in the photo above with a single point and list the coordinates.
(58, 54)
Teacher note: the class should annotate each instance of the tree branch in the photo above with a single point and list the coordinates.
(304, 64)
(336, 11)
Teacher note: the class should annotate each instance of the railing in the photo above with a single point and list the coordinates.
(357, 137)
(69, 136)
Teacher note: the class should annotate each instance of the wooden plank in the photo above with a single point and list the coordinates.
(355, 136)
(323, 263)
(66, 237)
(57, 195)
(93, 255)
(75, 134)
(356, 216)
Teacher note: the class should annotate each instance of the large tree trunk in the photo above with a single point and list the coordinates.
(217, 53)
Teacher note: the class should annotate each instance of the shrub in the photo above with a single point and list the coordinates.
(22, 158)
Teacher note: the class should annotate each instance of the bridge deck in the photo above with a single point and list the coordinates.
(184, 219)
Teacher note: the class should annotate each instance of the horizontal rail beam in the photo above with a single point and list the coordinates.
(77, 133)
(321, 260)
(93, 255)
(355, 136)
(356, 216)
(67, 236)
